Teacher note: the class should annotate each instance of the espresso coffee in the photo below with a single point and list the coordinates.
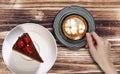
(74, 27)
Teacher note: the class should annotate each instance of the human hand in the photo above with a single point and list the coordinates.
(99, 50)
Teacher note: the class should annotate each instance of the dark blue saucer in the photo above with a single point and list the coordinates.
(72, 44)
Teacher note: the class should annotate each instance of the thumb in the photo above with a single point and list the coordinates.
(90, 42)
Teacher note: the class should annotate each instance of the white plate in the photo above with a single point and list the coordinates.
(43, 41)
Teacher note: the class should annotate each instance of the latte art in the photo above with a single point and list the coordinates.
(74, 27)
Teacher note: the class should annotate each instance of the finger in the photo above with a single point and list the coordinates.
(108, 44)
(90, 42)
(96, 37)
(86, 46)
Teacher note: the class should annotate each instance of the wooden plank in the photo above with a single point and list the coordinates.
(38, 15)
(56, 3)
(106, 29)
(3, 68)
(112, 35)
(80, 60)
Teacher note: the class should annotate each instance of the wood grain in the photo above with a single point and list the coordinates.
(107, 18)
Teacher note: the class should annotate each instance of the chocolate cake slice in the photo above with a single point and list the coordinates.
(25, 46)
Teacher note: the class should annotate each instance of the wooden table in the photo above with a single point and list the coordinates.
(107, 18)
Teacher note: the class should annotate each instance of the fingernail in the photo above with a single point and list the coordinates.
(87, 33)
(92, 32)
